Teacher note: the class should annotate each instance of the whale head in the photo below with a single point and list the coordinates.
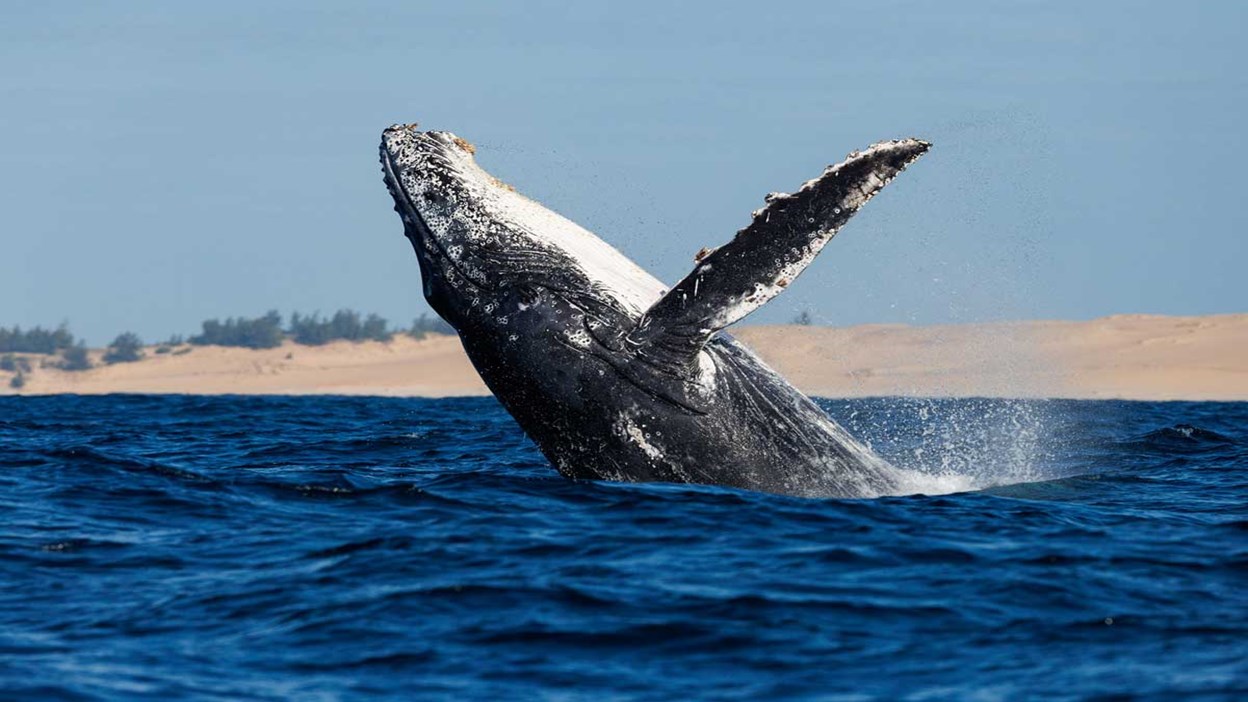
(480, 242)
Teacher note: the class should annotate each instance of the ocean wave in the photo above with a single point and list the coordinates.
(268, 548)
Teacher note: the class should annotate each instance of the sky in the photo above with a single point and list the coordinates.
(164, 163)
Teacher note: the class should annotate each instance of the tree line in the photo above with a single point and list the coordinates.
(15, 340)
(267, 331)
(263, 332)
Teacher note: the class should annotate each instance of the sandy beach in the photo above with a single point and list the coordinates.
(1128, 356)
(1144, 357)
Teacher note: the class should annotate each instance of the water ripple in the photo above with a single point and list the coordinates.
(167, 547)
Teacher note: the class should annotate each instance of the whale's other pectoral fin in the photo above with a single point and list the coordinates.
(761, 260)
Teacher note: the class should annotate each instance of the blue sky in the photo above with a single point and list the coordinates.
(168, 162)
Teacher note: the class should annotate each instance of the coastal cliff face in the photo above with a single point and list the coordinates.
(1126, 356)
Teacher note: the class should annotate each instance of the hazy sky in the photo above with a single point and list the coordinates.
(161, 163)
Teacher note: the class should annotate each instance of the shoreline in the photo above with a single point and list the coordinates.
(1130, 357)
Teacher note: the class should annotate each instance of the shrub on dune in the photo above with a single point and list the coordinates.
(259, 333)
(75, 358)
(126, 348)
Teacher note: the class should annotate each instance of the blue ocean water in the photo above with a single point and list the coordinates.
(325, 548)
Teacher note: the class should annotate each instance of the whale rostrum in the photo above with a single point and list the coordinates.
(611, 374)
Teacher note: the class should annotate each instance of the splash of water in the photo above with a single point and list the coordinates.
(942, 446)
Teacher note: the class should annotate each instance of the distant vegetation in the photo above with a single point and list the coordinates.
(170, 344)
(126, 348)
(264, 332)
(41, 341)
(14, 364)
(259, 333)
(75, 358)
(37, 340)
(345, 324)
(18, 365)
(425, 325)
(310, 330)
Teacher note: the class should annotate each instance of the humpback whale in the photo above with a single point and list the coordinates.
(612, 374)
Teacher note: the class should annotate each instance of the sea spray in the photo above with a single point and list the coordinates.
(947, 445)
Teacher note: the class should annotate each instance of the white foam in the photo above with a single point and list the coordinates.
(913, 482)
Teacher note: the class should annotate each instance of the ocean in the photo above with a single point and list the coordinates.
(339, 548)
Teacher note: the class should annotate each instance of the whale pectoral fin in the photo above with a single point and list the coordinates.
(732, 281)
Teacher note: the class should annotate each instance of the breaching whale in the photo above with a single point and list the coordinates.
(613, 375)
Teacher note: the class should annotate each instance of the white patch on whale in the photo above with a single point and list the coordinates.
(503, 210)
(628, 429)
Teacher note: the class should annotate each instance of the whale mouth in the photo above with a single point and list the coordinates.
(412, 217)
(402, 202)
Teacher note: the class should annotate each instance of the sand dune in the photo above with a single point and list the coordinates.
(433, 367)
(1130, 356)
(1126, 356)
